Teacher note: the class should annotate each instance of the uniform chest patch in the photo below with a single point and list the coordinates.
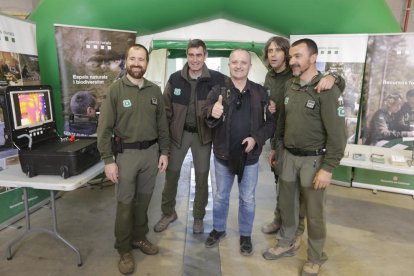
(126, 103)
(310, 104)
(177, 91)
(154, 101)
(286, 100)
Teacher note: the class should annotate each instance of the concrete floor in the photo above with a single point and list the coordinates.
(368, 234)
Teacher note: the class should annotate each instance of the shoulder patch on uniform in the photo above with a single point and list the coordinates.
(177, 91)
(341, 111)
(286, 100)
(154, 101)
(340, 100)
(126, 103)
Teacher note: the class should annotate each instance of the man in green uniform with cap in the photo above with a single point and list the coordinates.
(312, 127)
(134, 113)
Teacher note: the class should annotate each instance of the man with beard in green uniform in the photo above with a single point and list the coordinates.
(312, 127)
(134, 113)
(276, 54)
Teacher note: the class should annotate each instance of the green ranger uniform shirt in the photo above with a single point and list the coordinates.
(275, 83)
(313, 121)
(134, 114)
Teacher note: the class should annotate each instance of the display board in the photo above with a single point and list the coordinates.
(18, 60)
(388, 106)
(90, 59)
(344, 55)
(18, 66)
(11, 204)
(384, 181)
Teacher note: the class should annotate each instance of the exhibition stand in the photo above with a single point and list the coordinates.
(378, 168)
(14, 177)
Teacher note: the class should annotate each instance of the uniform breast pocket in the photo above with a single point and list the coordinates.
(311, 107)
(153, 104)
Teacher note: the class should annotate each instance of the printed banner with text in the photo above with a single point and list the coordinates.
(18, 66)
(388, 117)
(345, 55)
(90, 59)
(18, 61)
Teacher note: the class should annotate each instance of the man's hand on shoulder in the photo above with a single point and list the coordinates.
(326, 83)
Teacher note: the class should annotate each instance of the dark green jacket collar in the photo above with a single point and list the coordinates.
(273, 73)
(146, 83)
(205, 74)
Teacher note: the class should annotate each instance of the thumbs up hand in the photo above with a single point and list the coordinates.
(272, 107)
(218, 108)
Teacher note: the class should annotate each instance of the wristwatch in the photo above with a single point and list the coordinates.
(333, 74)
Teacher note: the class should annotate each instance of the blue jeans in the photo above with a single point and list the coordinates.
(247, 194)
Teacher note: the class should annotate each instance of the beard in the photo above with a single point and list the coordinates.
(296, 70)
(136, 74)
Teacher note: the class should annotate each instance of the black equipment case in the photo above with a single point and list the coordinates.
(30, 126)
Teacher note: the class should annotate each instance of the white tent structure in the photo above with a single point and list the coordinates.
(160, 67)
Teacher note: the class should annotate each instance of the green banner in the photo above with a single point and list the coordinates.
(11, 202)
(386, 179)
(342, 175)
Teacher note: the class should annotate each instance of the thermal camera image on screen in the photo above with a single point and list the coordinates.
(32, 109)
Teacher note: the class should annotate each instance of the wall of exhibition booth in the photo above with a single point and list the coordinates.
(68, 39)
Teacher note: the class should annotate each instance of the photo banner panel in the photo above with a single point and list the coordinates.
(388, 115)
(90, 59)
(18, 61)
(344, 55)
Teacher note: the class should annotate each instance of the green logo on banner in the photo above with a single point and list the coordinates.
(127, 103)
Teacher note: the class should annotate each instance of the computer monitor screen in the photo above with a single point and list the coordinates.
(31, 108)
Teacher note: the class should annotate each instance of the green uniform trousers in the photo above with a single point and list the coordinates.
(302, 210)
(297, 178)
(201, 159)
(137, 173)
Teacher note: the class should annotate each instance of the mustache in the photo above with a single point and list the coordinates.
(294, 65)
(136, 66)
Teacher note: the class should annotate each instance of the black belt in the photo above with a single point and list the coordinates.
(139, 145)
(301, 152)
(191, 129)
